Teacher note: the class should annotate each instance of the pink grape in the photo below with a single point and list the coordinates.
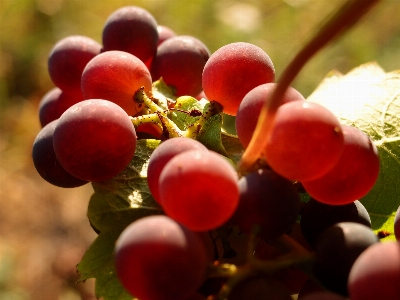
(376, 273)
(251, 105)
(131, 29)
(234, 70)
(67, 60)
(116, 76)
(94, 140)
(353, 175)
(157, 258)
(305, 141)
(199, 189)
(162, 155)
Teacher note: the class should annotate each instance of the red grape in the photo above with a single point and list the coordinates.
(162, 155)
(199, 189)
(94, 140)
(131, 29)
(376, 273)
(232, 71)
(353, 175)
(250, 108)
(67, 60)
(157, 258)
(305, 141)
(116, 76)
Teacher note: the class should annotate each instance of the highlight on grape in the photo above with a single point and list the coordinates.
(195, 226)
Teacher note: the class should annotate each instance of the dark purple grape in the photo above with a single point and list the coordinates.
(131, 29)
(267, 200)
(259, 289)
(94, 140)
(234, 70)
(158, 258)
(67, 60)
(250, 108)
(162, 155)
(54, 103)
(337, 248)
(376, 273)
(317, 216)
(397, 224)
(180, 61)
(310, 286)
(322, 295)
(46, 162)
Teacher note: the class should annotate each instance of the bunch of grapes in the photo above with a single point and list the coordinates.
(105, 101)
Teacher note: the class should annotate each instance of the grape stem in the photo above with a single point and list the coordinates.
(297, 256)
(340, 22)
(157, 115)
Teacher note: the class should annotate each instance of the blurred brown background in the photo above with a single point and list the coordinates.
(43, 229)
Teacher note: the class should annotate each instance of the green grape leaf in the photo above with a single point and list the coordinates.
(369, 98)
(210, 134)
(126, 197)
(98, 262)
(232, 146)
(163, 93)
(118, 202)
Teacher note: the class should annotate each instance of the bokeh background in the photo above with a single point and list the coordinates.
(43, 229)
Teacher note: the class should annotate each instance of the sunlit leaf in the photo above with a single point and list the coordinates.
(369, 98)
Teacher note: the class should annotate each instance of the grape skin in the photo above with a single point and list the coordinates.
(46, 162)
(317, 216)
(131, 29)
(251, 105)
(199, 189)
(232, 71)
(164, 33)
(162, 155)
(180, 61)
(337, 248)
(116, 76)
(54, 103)
(323, 295)
(259, 289)
(68, 58)
(267, 200)
(305, 141)
(376, 273)
(353, 175)
(397, 224)
(94, 140)
(159, 259)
